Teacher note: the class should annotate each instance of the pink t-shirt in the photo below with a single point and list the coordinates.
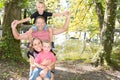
(45, 56)
(42, 35)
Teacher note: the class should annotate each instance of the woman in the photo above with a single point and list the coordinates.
(43, 68)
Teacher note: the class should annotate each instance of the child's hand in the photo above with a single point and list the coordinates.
(33, 67)
(16, 21)
(46, 62)
(13, 24)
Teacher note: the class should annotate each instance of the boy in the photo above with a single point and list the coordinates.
(40, 12)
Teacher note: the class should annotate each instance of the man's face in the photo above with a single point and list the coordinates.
(40, 23)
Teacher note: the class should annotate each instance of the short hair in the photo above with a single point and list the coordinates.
(40, 17)
(47, 41)
(40, 2)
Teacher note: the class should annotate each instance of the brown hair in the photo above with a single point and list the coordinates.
(31, 44)
(39, 18)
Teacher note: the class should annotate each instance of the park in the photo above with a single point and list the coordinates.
(88, 50)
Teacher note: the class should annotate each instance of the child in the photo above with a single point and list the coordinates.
(40, 12)
(43, 61)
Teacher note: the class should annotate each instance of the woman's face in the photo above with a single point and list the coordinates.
(40, 23)
(37, 45)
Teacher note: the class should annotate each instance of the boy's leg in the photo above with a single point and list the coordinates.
(52, 74)
(39, 78)
(46, 79)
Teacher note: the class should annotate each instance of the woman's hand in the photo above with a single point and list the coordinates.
(46, 62)
(39, 66)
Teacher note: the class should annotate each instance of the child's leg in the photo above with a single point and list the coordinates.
(46, 79)
(52, 75)
(39, 78)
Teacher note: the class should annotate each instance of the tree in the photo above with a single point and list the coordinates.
(11, 47)
(107, 27)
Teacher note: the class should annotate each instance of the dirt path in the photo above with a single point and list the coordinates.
(76, 70)
(65, 70)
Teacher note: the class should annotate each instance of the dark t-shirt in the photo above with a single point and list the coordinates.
(45, 15)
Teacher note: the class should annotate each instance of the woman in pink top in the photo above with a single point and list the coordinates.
(43, 60)
(43, 56)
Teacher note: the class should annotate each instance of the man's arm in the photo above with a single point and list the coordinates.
(19, 36)
(65, 26)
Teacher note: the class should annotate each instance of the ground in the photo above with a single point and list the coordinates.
(65, 70)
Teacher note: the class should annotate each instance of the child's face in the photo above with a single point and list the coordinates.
(40, 23)
(37, 45)
(46, 47)
(40, 7)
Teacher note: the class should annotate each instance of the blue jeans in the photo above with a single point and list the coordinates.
(36, 73)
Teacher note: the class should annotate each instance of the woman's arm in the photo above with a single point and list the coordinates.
(65, 26)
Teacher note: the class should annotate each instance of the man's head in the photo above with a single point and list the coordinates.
(40, 22)
(40, 7)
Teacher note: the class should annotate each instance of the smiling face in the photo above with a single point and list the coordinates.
(40, 23)
(46, 46)
(37, 45)
(40, 7)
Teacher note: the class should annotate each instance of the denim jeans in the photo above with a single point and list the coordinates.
(36, 73)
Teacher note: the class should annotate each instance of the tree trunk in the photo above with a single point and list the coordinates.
(100, 13)
(108, 29)
(11, 47)
(106, 24)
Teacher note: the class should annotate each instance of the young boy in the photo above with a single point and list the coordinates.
(45, 58)
(40, 12)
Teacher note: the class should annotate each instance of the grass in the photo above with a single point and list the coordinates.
(75, 49)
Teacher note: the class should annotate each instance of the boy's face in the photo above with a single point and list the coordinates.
(40, 7)
(40, 23)
(46, 47)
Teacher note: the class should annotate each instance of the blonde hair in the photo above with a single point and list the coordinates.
(47, 41)
(40, 2)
